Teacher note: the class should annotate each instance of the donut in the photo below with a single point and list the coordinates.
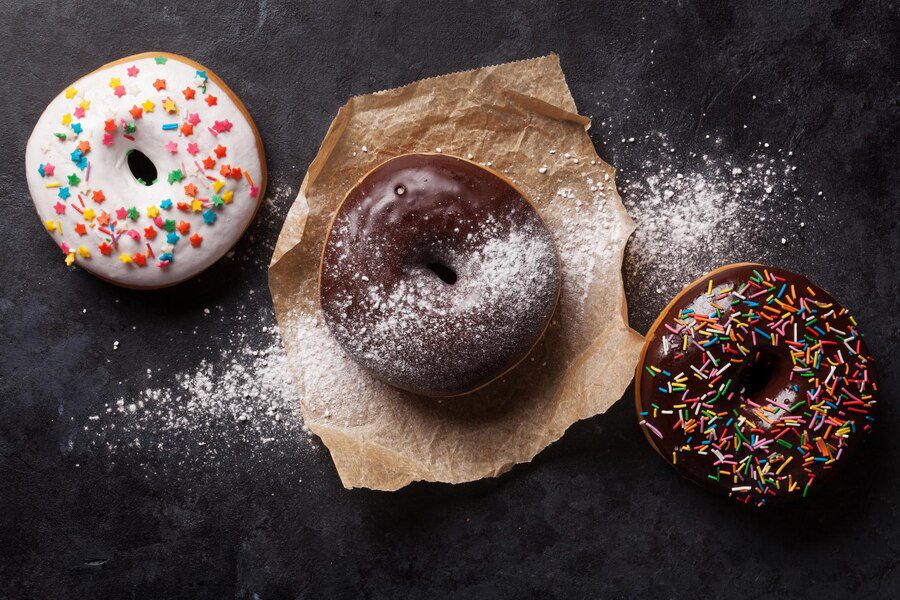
(146, 171)
(437, 274)
(756, 384)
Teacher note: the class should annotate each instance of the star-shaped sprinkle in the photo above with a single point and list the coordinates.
(121, 213)
(166, 204)
(196, 205)
(60, 208)
(193, 118)
(217, 200)
(85, 104)
(152, 211)
(78, 112)
(190, 189)
(108, 139)
(64, 193)
(120, 91)
(227, 196)
(48, 170)
(134, 213)
(169, 105)
(175, 175)
(196, 239)
(66, 119)
(209, 217)
(84, 252)
(70, 93)
(225, 171)
(76, 155)
(186, 129)
(220, 126)
(212, 100)
(50, 224)
(193, 148)
(172, 238)
(73, 179)
(89, 214)
(80, 229)
(125, 258)
(130, 127)
(84, 146)
(103, 219)
(104, 249)
(217, 185)
(70, 258)
(220, 150)
(140, 260)
(209, 162)
(185, 206)
(98, 196)
(115, 82)
(136, 112)
(149, 232)
(169, 225)
(159, 84)
(133, 71)
(189, 93)
(183, 227)
(148, 106)
(172, 147)
(76, 127)
(161, 60)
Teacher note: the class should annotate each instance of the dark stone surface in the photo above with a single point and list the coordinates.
(597, 514)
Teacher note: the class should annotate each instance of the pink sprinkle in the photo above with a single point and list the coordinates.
(193, 118)
(64, 247)
(134, 234)
(254, 191)
(193, 149)
(172, 147)
(120, 91)
(48, 170)
(108, 139)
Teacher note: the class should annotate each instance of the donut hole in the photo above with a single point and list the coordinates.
(141, 167)
(445, 273)
(757, 373)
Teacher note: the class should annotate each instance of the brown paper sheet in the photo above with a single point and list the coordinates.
(520, 119)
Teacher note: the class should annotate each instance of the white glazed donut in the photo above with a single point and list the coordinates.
(92, 152)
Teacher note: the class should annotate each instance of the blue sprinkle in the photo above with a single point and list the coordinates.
(64, 193)
(169, 126)
(76, 127)
(76, 155)
(166, 204)
(209, 217)
(172, 238)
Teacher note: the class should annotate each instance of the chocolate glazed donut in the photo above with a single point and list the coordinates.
(756, 384)
(437, 275)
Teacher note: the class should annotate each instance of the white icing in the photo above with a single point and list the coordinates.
(107, 169)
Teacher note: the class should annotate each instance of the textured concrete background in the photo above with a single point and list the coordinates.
(597, 514)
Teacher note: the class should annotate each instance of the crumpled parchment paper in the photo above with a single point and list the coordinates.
(520, 119)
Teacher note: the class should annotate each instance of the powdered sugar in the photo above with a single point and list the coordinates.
(696, 212)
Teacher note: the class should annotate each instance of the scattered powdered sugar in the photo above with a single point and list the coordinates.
(696, 212)
(243, 400)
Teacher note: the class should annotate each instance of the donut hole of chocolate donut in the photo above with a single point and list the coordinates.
(444, 273)
(141, 167)
(761, 369)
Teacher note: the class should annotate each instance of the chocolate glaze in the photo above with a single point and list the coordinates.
(776, 391)
(437, 275)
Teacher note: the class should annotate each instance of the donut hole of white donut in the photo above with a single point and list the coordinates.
(141, 167)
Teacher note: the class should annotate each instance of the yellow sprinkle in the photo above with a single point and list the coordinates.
(709, 288)
(55, 184)
(67, 118)
(196, 205)
(148, 106)
(114, 82)
(70, 258)
(152, 211)
(217, 185)
(85, 104)
(125, 258)
(50, 225)
(89, 214)
(169, 105)
(83, 252)
(228, 196)
(70, 93)
(784, 464)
